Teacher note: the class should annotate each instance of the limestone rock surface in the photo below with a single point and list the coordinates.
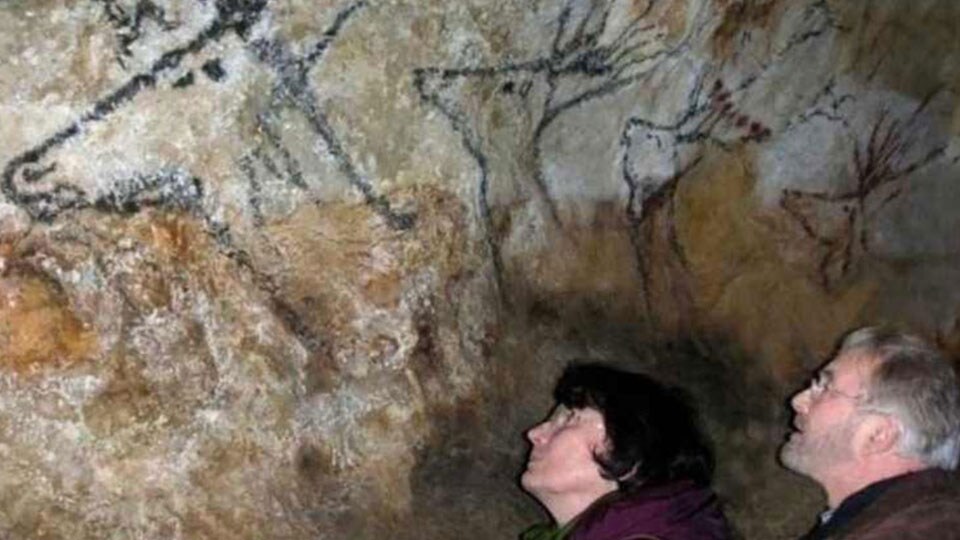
(306, 269)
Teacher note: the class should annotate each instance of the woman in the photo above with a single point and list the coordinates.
(621, 457)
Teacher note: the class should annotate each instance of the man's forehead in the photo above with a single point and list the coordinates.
(853, 364)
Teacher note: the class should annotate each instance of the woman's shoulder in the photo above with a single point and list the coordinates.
(676, 511)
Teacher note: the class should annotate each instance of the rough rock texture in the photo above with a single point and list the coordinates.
(291, 269)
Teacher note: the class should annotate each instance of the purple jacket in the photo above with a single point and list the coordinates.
(677, 511)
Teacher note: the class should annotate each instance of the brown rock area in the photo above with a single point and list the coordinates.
(289, 269)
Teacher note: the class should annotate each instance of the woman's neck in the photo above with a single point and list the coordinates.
(565, 508)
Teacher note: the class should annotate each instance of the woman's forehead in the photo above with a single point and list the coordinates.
(586, 412)
(573, 407)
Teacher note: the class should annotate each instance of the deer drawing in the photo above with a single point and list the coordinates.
(594, 52)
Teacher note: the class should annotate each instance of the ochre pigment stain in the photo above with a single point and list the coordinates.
(38, 329)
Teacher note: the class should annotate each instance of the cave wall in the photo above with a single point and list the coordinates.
(290, 269)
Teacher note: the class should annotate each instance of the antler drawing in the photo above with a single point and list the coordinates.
(588, 57)
(841, 222)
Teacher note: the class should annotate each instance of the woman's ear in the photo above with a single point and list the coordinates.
(600, 443)
(629, 474)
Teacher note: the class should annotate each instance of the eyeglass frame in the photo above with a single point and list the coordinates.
(821, 384)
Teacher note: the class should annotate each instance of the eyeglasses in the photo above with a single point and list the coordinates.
(822, 385)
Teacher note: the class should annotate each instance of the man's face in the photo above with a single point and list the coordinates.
(826, 418)
(562, 459)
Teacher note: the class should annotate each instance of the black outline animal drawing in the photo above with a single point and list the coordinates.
(22, 181)
(667, 152)
(586, 61)
(129, 23)
(26, 178)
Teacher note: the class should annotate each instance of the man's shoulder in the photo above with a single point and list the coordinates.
(923, 505)
(924, 487)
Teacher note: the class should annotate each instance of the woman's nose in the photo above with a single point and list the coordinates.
(801, 401)
(537, 433)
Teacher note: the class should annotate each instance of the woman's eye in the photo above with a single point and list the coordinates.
(562, 415)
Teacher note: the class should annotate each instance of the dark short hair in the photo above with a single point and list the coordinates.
(653, 431)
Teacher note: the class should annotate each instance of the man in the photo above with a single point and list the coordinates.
(879, 429)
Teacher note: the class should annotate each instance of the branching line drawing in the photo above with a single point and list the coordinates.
(655, 157)
(583, 64)
(129, 26)
(821, 19)
(827, 104)
(881, 164)
(293, 89)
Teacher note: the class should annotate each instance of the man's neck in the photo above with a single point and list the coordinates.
(842, 486)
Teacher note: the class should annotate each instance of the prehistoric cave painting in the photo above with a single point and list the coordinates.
(586, 61)
(30, 179)
(655, 157)
(23, 176)
(880, 166)
(589, 57)
(828, 105)
(128, 23)
(293, 90)
(24, 181)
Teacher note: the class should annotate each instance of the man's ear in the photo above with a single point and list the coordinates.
(878, 434)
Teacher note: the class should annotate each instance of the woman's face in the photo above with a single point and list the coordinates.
(562, 458)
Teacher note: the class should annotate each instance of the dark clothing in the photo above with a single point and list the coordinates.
(677, 511)
(923, 505)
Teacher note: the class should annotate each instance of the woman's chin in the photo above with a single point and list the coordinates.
(528, 480)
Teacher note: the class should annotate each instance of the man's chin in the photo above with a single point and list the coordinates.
(791, 456)
(792, 442)
(788, 448)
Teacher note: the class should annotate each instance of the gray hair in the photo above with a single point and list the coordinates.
(914, 383)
